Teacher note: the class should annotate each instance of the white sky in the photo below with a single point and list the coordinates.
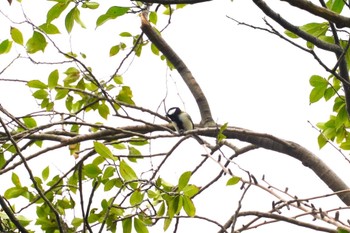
(252, 80)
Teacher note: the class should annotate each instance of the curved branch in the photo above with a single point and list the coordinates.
(296, 30)
(307, 158)
(169, 53)
(279, 217)
(322, 12)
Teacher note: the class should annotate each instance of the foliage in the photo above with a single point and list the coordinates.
(97, 121)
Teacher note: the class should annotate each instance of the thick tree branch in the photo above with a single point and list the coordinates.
(266, 141)
(169, 53)
(322, 12)
(296, 30)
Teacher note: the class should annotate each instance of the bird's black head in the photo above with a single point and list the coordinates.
(173, 113)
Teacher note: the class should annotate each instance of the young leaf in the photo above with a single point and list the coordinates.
(5, 46)
(69, 21)
(184, 179)
(126, 223)
(40, 94)
(49, 28)
(53, 79)
(126, 171)
(140, 226)
(36, 84)
(112, 13)
(103, 150)
(16, 35)
(188, 206)
(92, 170)
(136, 198)
(29, 122)
(56, 11)
(45, 173)
(36, 43)
(15, 180)
(318, 81)
(14, 192)
(233, 180)
(103, 110)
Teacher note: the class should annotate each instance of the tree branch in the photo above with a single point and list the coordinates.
(12, 217)
(322, 12)
(296, 30)
(169, 53)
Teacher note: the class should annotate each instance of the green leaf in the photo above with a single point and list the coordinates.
(112, 13)
(161, 210)
(114, 50)
(92, 170)
(153, 17)
(103, 110)
(154, 49)
(77, 18)
(316, 94)
(125, 34)
(109, 171)
(40, 94)
(23, 220)
(49, 28)
(104, 151)
(345, 145)
(36, 43)
(56, 11)
(15, 180)
(126, 171)
(140, 226)
(125, 95)
(138, 141)
(16, 35)
(45, 173)
(167, 222)
(291, 34)
(233, 180)
(118, 79)
(322, 141)
(188, 206)
(76, 222)
(36, 84)
(184, 179)
(53, 79)
(318, 81)
(335, 5)
(190, 190)
(61, 93)
(220, 135)
(126, 223)
(69, 21)
(5, 46)
(29, 122)
(14, 192)
(136, 198)
(90, 5)
(315, 29)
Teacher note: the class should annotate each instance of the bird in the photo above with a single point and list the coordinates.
(181, 120)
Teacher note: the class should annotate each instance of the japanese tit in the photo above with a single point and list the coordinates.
(181, 120)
